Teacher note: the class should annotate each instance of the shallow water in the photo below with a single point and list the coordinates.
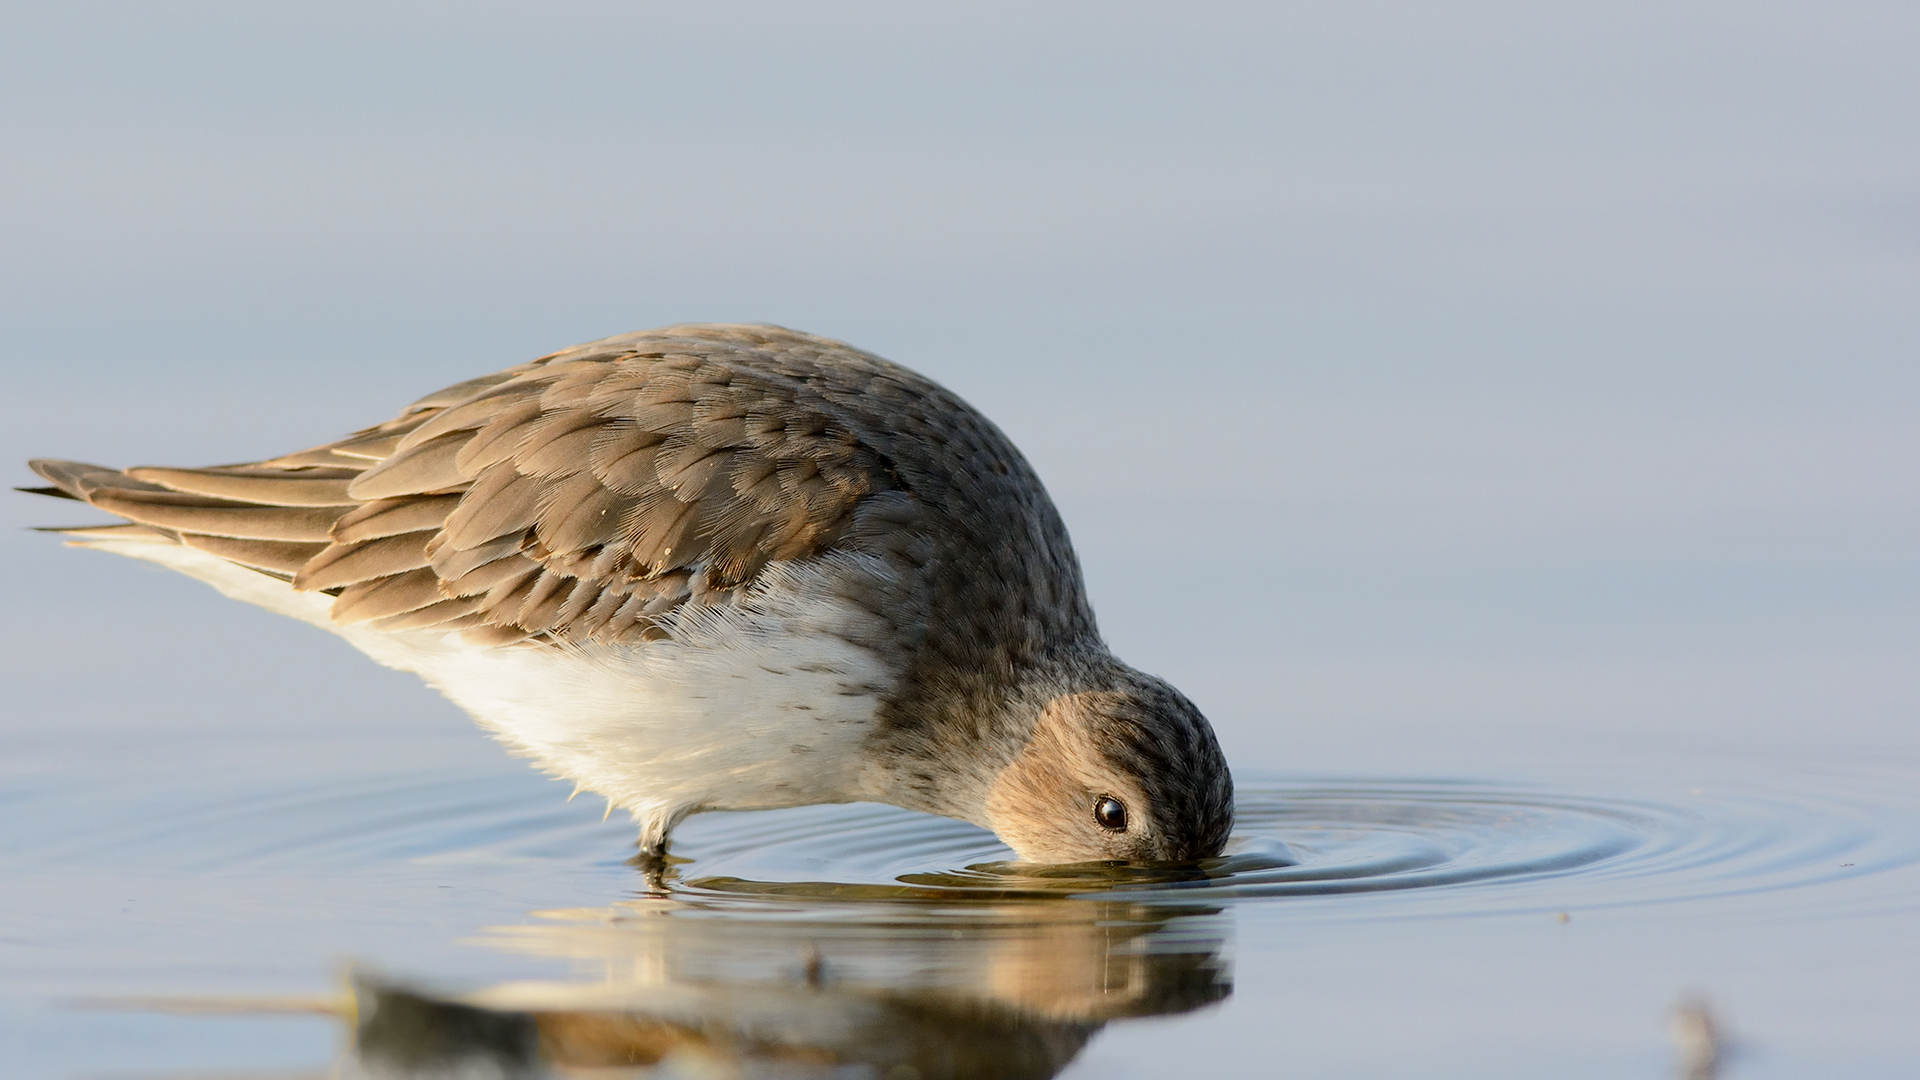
(1498, 418)
(198, 917)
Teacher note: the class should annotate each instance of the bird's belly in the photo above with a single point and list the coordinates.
(736, 711)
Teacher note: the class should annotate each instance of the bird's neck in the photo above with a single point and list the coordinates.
(942, 747)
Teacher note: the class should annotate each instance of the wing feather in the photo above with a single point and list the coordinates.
(274, 557)
(266, 488)
(199, 514)
(349, 564)
(502, 503)
(508, 569)
(579, 514)
(395, 594)
(453, 564)
(429, 467)
(391, 517)
(579, 496)
(496, 440)
(445, 615)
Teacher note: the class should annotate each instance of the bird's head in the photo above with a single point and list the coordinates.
(1127, 773)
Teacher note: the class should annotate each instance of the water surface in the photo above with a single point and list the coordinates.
(405, 919)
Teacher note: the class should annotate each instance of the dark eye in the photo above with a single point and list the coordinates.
(1110, 814)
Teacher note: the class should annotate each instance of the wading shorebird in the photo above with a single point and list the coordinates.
(714, 567)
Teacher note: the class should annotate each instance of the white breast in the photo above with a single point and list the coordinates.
(741, 708)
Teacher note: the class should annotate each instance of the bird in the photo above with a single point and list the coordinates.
(714, 567)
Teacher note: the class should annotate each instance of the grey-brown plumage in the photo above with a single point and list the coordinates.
(594, 497)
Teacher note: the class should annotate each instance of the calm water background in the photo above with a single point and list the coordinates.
(1504, 397)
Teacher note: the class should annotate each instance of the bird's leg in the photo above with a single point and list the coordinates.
(651, 859)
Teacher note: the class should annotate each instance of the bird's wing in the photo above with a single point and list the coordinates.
(578, 497)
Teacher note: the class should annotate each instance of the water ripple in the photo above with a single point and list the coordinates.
(1465, 847)
(1342, 846)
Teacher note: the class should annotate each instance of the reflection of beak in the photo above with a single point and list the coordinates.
(1099, 968)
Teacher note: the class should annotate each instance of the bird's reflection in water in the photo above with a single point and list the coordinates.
(890, 989)
(880, 990)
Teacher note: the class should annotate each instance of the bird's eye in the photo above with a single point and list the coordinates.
(1110, 814)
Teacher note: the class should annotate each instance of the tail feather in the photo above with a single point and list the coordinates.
(80, 479)
(244, 524)
(187, 513)
(81, 535)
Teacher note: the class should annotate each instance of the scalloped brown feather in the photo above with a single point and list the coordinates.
(573, 497)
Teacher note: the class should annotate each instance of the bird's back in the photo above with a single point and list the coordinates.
(585, 495)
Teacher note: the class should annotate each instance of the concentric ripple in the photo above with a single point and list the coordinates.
(1467, 846)
(1345, 846)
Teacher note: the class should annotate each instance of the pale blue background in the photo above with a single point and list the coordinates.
(1435, 388)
